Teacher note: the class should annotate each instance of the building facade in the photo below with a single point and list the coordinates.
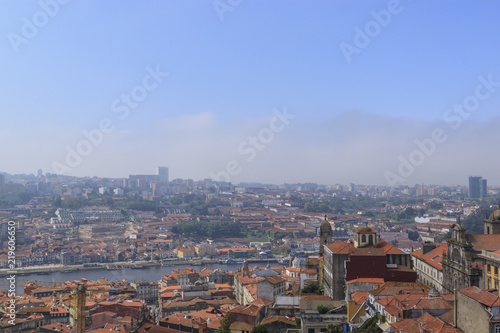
(427, 262)
(366, 257)
(463, 262)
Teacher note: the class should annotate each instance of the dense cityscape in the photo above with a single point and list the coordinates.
(236, 258)
(232, 166)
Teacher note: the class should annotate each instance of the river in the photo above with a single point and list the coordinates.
(153, 273)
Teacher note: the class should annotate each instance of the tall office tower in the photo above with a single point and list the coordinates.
(2, 183)
(162, 173)
(483, 188)
(39, 173)
(477, 187)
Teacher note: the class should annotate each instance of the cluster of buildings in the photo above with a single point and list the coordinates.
(109, 305)
(370, 271)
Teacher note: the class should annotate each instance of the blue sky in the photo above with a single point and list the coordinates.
(353, 119)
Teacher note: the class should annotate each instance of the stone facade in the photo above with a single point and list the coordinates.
(464, 262)
(458, 268)
(333, 273)
(325, 235)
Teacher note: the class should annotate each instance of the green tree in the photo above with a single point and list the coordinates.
(474, 222)
(311, 289)
(434, 205)
(24, 197)
(108, 201)
(57, 202)
(323, 309)
(413, 235)
(334, 328)
(225, 323)
(259, 329)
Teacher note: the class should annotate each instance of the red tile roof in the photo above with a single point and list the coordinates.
(366, 280)
(434, 256)
(481, 296)
(482, 242)
(340, 247)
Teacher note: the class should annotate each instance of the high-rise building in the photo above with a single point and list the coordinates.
(144, 181)
(162, 173)
(477, 187)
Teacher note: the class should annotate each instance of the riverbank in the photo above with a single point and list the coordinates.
(50, 269)
(114, 266)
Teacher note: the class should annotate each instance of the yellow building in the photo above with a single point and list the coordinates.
(205, 250)
(185, 251)
(491, 269)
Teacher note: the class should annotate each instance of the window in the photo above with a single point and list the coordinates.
(310, 330)
(496, 270)
(363, 239)
(497, 328)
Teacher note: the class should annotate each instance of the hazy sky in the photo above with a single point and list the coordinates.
(252, 90)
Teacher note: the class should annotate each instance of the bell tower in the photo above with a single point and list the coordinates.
(325, 235)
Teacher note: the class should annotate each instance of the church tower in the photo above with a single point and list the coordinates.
(325, 235)
(492, 224)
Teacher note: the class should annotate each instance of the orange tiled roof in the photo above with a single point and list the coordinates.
(440, 249)
(389, 248)
(482, 242)
(273, 319)
(262, 302)
(412, 325)
(339, 247)
(481, 296)
(359, 297)
(251, 310)
(366, 280)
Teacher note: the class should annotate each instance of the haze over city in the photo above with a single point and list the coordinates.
(371, 92)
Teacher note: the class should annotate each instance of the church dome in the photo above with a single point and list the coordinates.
(495, 216)
(433, 293)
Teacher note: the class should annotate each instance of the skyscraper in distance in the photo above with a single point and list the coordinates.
(162, 173)
(478, 187)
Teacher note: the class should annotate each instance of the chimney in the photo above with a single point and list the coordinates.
(427, 246)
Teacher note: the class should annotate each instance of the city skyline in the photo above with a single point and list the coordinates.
(379, 92)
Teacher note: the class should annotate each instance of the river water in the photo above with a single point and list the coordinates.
(153, 273)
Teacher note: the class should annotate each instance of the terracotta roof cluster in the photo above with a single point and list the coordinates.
(425, 323)
(250, 310)
(59, 327)
(393, 288)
